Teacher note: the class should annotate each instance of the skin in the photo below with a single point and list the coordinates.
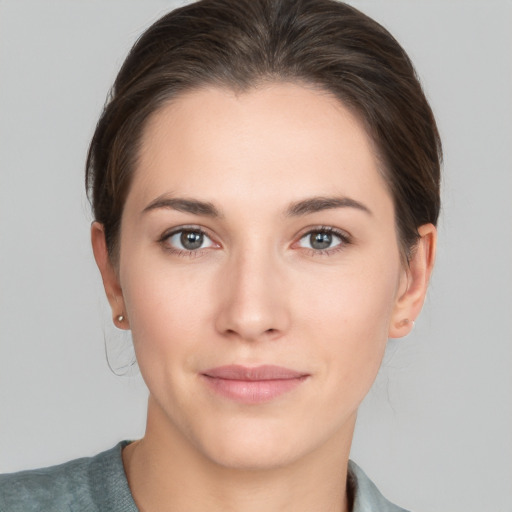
(257, 292)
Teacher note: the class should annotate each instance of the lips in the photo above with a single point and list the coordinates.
(252, 385)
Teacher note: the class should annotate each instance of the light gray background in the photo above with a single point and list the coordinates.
(435, 433)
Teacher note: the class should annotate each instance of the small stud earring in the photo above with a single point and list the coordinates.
(405, 322)
(409, 322)
(120, 318)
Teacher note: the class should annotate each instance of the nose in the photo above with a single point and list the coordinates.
(253, 300)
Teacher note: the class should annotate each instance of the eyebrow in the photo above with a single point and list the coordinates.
(297, 209)
(318, 204)
(192, 206)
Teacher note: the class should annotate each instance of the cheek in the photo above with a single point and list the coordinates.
(348, 317)
(358, 296)
(168, 310)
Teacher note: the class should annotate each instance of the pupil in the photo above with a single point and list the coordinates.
(191, 240)
(321, 240)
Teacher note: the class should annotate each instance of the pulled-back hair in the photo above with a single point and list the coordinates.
(241, 44)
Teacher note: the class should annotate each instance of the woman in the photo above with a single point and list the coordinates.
(265, 184)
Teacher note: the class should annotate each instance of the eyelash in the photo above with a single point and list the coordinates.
(192, 253)
(345, 239)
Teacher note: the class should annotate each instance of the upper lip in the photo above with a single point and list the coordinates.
(255, 373)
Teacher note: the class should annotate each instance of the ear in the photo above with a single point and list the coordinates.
(414, 283)
(109, 276)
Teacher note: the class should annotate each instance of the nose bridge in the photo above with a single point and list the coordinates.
(253, 304)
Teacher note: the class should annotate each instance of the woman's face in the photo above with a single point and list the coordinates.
(260, 272)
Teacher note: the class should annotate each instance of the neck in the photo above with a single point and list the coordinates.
(167, 474)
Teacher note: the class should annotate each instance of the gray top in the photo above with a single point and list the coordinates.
(98, 484)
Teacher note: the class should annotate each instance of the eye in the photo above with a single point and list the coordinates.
(323, 239)
(191, 239)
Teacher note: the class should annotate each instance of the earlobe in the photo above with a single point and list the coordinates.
(109, 276)
(417, 275)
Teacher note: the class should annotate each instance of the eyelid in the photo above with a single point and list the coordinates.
(184, 227)
(344, 236)
(167, 234)
(322, 228)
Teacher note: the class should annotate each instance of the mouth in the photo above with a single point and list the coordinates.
(252, 385)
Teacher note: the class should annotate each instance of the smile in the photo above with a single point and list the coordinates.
(252, 385)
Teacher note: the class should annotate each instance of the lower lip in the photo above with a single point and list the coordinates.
(253, 391)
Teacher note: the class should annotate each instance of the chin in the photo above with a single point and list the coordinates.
(256, 456)
(253, 445)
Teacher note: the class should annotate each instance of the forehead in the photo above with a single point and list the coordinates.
(280, 141)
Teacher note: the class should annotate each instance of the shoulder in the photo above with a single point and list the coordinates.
(365, 495)
(56, 488)
(83, 485)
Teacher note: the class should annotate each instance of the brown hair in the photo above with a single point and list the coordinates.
(242, 43)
